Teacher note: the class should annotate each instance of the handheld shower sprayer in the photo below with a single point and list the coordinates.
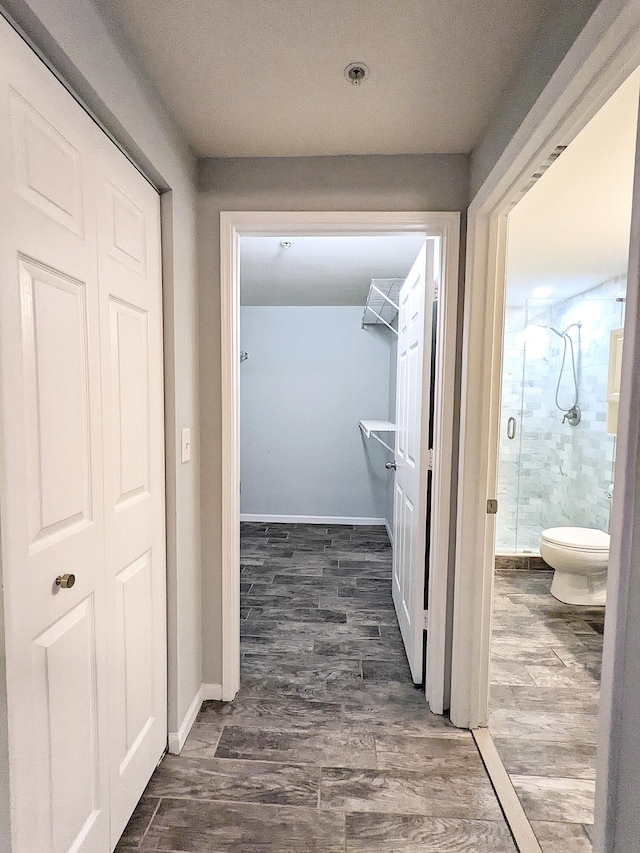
(572, 415)
(559, 334)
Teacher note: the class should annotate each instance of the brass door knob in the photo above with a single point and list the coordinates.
(65, 581)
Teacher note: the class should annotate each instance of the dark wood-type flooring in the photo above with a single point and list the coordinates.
(545, 673)
(328, 746)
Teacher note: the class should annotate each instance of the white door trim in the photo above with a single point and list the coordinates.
(257, 223)
(604, 54)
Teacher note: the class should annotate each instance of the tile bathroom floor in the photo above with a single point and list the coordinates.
(328, 746)
(546, 659)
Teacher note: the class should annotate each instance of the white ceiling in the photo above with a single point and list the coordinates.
(321, 270)
(570, 232)
(262, 78)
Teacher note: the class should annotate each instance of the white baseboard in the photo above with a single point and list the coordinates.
(212, 691)
(177, 739)
(389, 531)
(312, 519)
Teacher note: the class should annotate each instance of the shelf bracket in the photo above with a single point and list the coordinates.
(383, 443)
(370, 429)
(382, 320)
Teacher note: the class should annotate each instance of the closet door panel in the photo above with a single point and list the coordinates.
(133, 645)
(48, 167)
(51, 491)
(57, 402)
(132, 386)
(71, 699)
(130, 400)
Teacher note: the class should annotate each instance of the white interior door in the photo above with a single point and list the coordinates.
(52, 478)
(82, 479)
(128, 213)
(411, 453)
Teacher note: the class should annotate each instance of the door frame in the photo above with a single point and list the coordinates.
(603, 56)
(233, 225)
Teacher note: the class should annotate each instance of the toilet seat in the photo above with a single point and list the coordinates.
(577, 538)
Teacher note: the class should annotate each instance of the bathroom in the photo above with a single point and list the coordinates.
(567, 255)
(558, 451)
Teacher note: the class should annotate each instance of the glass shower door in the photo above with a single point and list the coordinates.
(510, 435)
(535, 427)
(556, 470)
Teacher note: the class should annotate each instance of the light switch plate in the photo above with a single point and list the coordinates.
(186, 445)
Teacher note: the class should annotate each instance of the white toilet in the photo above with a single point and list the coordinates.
(580, 556)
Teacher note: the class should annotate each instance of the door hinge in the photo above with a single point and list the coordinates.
(492, 506)
(436, 293)
(425, 623)
(430, 460)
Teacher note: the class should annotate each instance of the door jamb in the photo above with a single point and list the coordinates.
(603, 56)
(271, 223)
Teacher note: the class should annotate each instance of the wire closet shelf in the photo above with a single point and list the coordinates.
(381, 306)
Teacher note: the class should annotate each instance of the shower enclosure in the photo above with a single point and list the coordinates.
(556, 456)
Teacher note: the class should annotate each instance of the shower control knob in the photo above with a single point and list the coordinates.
(573, 416)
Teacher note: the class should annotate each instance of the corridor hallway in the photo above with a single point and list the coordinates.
(328, 746)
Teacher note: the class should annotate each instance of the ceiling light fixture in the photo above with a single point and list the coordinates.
(356, 72)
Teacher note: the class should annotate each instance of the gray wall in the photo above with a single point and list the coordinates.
(560, 28)
(420, 182)
(101, 69)
(312, 374)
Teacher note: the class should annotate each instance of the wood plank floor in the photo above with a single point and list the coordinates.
(328, 745)
(546, 664)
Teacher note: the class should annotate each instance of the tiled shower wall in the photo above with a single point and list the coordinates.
(553, 474)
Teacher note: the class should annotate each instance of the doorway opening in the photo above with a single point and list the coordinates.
(369, 500)
(319, 338)
(566, 278)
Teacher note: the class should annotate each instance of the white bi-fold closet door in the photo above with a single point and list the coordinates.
(82, 486)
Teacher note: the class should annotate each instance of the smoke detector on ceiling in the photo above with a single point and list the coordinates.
(356, 72)
(286, 244)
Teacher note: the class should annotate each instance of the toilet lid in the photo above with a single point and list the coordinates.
(585, 538)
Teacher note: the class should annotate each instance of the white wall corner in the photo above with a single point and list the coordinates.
(212, 691)
(178, 739)
(389, 531)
